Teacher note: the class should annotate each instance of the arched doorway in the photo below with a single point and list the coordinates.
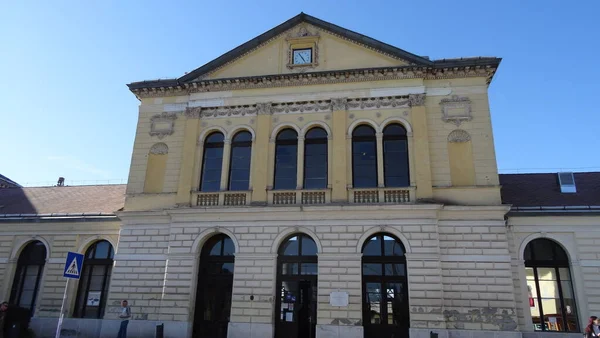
(215, 282)
(93, 284)
(550, 287)
(28, 275)
(384, 287)
(296, 292)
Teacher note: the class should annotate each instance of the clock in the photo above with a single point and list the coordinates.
(302, 56)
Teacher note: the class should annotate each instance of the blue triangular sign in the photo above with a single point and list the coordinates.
(73, 265)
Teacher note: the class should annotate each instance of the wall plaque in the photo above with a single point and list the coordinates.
(338, 298)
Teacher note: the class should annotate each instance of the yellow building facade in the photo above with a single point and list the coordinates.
(315, 182)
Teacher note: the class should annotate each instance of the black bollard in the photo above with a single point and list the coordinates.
(160, 330)
(433, 334)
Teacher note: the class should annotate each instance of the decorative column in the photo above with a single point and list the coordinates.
(186, 171)
(225, 164)
(380, 177)
(259, 174)
(421, 146)
(339, 164)
(300, 164)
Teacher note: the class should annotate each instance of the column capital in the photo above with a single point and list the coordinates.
(227, 141)
(379, 135)
(300, 139)
(193, 112)
(416, 100)
(264, 108)
(339, 103)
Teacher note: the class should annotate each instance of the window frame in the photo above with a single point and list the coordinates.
(23, 263)
(311, 141)
(285, 142)
(206, 146)
(239, 144)
(394, 137)
(555, 264)
(369, 138)
(88, 267)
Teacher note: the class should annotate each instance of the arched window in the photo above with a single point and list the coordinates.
(93, 284)
(286, 159)
(315, 159)
(385, 288)
(395, 156)
(214, 288)
(212, 163)
(239, 167)
(364, 157)
(28, 275)
(296, 298)
(550, 287)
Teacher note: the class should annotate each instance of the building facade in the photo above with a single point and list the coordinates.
(314, 182)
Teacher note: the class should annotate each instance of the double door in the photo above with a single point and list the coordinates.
(296, 307)
(213, 307)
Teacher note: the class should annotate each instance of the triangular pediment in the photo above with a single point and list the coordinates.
(329, 48)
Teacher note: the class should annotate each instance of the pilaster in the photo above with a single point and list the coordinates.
(259, 175)
(225, 166)
(339, 163)
(300, 166)
(186, 171)
(380, 174)
(422, 172)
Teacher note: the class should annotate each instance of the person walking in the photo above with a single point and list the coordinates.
(124, 315)
(591, 330)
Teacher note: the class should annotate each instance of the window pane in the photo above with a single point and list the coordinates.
(309, 247)
(548, 288)
(239, 185)
(214, 138)
(571, 311)
(372, 269)
(394, 130)
(308, 269)
(392, 247)
(285, 183)
(316, 133)
(315, 183)
(227, 268)
(291, 247)
(216, 249)
(546, 273)
(373, 302)
(287, 134)
(395, 303)
(552, 314)
(394, 270)
(564, 274)
(102, 250)
(289, 295)
(228, 247)
(363, 130)
(242, 136)
(373, 247)
(289, 268)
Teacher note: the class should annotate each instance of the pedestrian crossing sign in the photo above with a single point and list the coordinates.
(73, 265)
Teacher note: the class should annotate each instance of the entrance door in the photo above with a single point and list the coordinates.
(213, 296)
(385, 288)
(296, 301)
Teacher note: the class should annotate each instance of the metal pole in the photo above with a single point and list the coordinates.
(62, 310)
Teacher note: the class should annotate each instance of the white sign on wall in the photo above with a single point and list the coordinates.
(338, 298)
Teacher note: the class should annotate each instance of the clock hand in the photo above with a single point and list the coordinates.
(300, 55)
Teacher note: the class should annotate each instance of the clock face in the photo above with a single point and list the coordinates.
(302, 56)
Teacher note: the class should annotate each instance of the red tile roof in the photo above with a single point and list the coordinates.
(533, 190)
(69, 199)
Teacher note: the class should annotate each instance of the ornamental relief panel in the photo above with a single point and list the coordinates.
(456, 110)
(162, 124)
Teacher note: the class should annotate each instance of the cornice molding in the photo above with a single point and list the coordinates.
(318, 78)
(416, 100)
(282, 108)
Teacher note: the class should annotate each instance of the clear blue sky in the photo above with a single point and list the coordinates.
(64, 64)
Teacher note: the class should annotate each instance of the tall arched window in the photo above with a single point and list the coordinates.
(28, 275)
(296, 298)
(239, 167)
(93, 284)
(395, 156)
(215, 283)
(364, 157)
(286, 159)
(315, 159)
(212, 163)
(550, 287)
(385, 287)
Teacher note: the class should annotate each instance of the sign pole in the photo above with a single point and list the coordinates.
(73, 266)
(62, 310)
